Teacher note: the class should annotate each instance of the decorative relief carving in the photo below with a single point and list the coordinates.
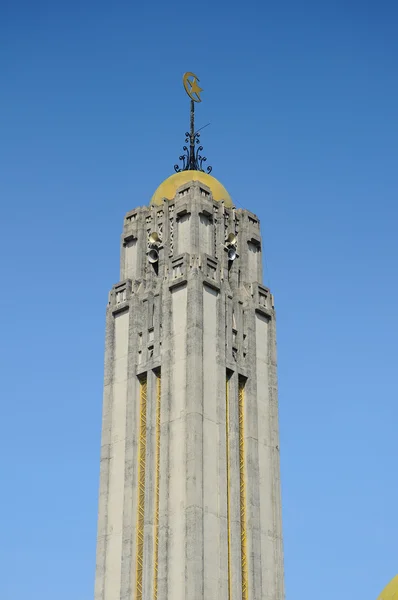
(121, 296)
(184, 192)
(177, 271)
(262, 300)
(171, 226)
(178, 267)
(237, 223)
(211, 268)
(160, 230)
(226, 224)
(245, 345)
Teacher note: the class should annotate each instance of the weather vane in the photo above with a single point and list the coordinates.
(192, 160)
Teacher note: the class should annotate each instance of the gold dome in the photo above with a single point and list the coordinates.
(391, 591)
(169, 187)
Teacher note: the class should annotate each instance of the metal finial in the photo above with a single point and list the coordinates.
(192, 159)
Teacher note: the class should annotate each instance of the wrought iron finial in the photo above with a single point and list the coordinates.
(192, 159)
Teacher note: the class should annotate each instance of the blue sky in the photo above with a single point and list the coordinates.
(302, 98)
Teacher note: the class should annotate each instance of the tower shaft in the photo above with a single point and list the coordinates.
(190, 503)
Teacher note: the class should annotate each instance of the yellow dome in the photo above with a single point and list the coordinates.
(169, 187)
(391, 591)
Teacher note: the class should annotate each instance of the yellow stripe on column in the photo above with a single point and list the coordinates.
(157, 464)
(243, 536)
(141, 489)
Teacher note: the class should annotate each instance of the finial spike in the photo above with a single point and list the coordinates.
(192, 160)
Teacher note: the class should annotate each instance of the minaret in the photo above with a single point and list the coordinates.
(189, 504)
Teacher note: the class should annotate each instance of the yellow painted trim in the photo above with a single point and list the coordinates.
(157, 473)
(228, 489)
(141, 489)
(243, 534)
(391, 591)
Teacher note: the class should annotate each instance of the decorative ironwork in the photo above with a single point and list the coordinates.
(192, 159)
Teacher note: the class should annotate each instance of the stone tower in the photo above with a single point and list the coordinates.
(189, 505)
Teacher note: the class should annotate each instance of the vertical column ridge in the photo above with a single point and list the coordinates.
(105, 459)
(228, 484)
(273, 391)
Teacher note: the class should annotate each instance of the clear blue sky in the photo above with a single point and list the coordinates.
(302, 99)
